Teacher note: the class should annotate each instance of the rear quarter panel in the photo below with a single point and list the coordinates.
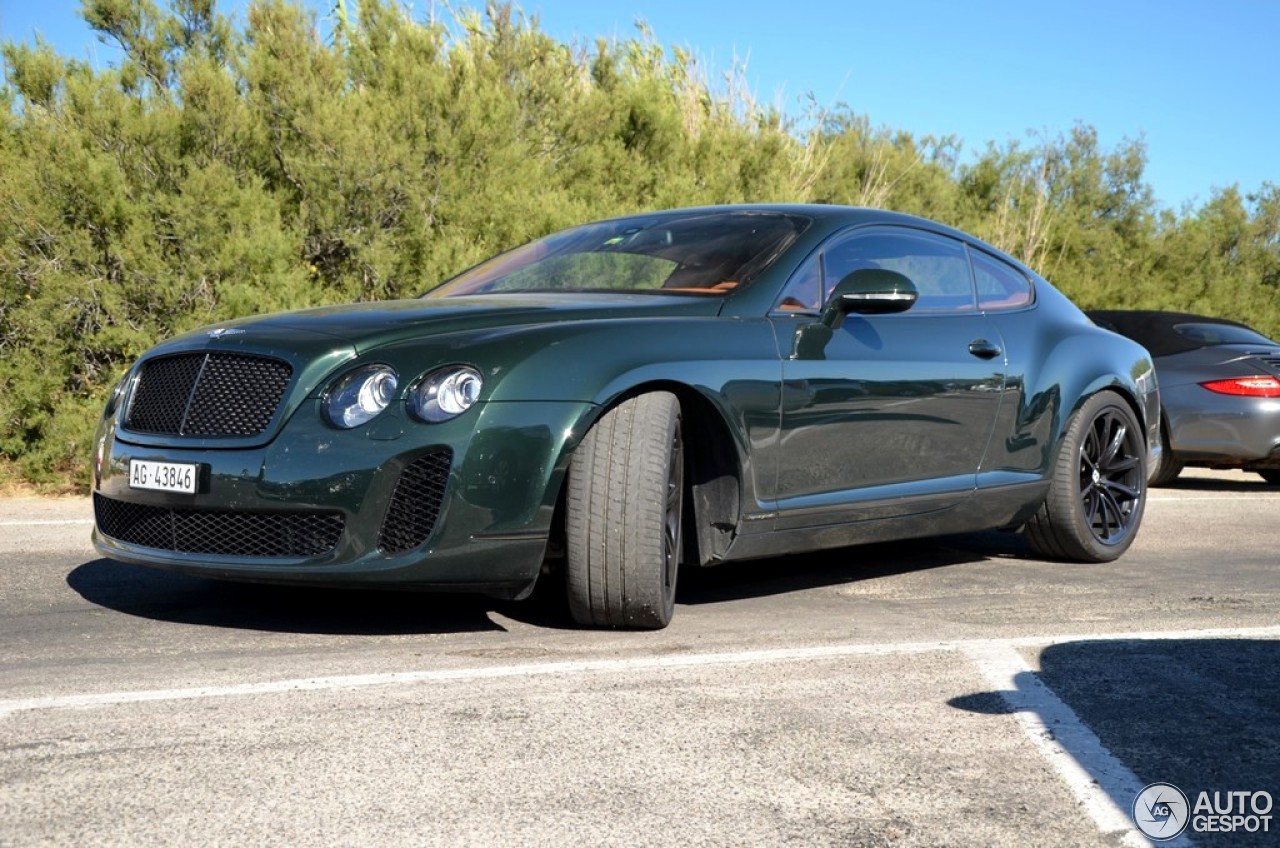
(1057, 359)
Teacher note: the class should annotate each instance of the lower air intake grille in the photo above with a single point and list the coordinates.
(415, 504)
(195, 531)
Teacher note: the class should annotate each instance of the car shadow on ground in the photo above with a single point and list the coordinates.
(736, 581)
(781, 575)
(184, 599)
(1244, 483)
(1201, 714)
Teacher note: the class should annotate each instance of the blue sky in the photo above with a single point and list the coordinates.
(1197, 80)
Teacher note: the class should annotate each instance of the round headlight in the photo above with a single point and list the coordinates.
(360, 395)
(444, 393)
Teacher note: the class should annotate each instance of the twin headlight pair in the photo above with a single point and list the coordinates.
(360, 395)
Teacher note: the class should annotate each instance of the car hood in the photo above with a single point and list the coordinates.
(369, 325)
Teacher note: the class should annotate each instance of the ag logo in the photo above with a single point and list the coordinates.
(1161, 811)
(224, 331)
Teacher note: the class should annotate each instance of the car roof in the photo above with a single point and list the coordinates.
(1154, 329)
(827, 213)
(831, 217)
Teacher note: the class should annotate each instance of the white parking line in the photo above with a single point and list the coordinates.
(576, 667)
(568, 668)
(45, 522)
(1252, 496)
(1091, 772)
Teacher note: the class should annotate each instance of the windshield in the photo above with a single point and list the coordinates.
(701, 253)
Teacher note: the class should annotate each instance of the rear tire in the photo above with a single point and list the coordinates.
(1271, 476)
(622, 516)
(1169, 468)
(1098, 491)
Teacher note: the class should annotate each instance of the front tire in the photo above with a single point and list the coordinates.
(1098, 491)
(1271, 476)
(622, 516)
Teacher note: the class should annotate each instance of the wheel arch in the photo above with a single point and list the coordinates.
(1083, 364)
(714, 468)
(1127, 393)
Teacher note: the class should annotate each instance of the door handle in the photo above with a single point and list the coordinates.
(984, 349)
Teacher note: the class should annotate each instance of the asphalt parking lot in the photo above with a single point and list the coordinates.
(945, 692)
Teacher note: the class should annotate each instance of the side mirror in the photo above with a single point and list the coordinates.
(869, 291)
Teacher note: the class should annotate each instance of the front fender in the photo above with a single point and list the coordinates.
(732, 364)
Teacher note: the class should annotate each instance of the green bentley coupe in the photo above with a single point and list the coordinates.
(612, 402)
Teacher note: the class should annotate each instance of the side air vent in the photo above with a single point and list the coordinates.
(415, 503)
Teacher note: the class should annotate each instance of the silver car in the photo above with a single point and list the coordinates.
(1219, 389)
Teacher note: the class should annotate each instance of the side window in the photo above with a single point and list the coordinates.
(803, 292)
(1000, 285)
(936, 264)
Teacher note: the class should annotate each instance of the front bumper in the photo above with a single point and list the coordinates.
(498, 482)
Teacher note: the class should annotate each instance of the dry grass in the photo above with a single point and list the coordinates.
(12, 485)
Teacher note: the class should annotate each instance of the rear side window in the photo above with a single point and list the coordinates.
(1000, 285)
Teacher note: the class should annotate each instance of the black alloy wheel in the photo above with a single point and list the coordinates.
(1098, 486)
(1111, 476)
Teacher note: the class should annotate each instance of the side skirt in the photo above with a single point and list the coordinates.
(1000, 507)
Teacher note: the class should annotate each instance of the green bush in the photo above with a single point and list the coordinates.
(219, 172)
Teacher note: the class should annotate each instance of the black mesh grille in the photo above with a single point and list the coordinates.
(207, 394)
(160, 399)
(194, 531)
(415, 504)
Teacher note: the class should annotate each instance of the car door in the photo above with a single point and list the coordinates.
(884, 415)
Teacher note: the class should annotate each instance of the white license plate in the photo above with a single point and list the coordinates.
(163, 476)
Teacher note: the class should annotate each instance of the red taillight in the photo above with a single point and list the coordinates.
(1267, 387)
